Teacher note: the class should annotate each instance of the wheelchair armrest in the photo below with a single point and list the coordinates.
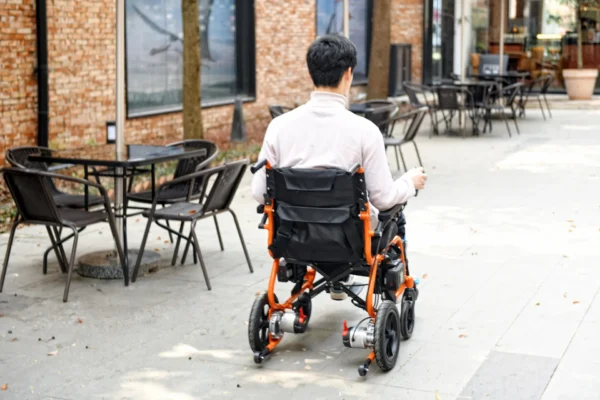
(260, 209)
(391, 213)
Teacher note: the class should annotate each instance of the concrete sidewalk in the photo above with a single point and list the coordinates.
(504, 241)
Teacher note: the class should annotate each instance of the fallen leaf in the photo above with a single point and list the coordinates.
(156, 249)
(425, 276)
(166, 242)
(137, 220)
(158, 238)
(4, 387)
(307, 367)
(573, 226)
(79, 321)
(537, 304)
(575, 301)
(570, 220)
(192, 212)
(14, 340)
(53, 353)
(462, 336)
(570, 230)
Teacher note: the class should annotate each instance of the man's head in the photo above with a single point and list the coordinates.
(331, 61)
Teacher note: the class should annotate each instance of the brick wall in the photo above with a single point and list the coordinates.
(81, 51)
(407, 27)
(18, 86)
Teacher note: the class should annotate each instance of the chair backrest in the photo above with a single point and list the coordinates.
(448, 98)
(190, 165)
(225, 185)
(512, 92)
(546, 82)
(276, 110)
(317, 214)
(380, 112)
(18, 157)
(32, 195)
(417, 118)
(411, 91)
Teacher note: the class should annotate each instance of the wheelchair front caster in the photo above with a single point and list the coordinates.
(364, 369)
(407, 318)
(260, 356)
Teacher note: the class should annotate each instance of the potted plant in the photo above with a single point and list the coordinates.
(580, 82)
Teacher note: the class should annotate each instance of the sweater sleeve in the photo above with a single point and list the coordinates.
(384, 192)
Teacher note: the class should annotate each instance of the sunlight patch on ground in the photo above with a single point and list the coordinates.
(538, 159)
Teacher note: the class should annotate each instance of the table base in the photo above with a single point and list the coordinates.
(106, 265)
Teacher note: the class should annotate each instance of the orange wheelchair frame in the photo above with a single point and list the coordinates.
(306, 286)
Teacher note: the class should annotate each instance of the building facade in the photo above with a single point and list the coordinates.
(253, 50)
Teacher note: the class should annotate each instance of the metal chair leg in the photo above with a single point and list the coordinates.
(397, 158)
(16, 223)
(169, 226)
(141, 251)
(506, 122)
(237, 225)
(187, 248)
(174, 260)
(542, 108)
(418, 155)
(218, 232)
(59, 242)
(197, 250)
(62, 263)
(71, 265)
(121, 251)
(547, 106)
(402, 157)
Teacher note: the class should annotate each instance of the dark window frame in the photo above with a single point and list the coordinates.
(369, 28)
(245, 48)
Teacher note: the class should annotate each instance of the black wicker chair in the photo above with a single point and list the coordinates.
(414, 119)
(543, 82)
(510, 93)
(176, 193)
(217, 201)
(276, 110)
(412, 90)
(18, 157)
(32, 193)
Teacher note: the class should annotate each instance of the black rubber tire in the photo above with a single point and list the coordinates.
(407, 318)
(387, 335)
(258, 324)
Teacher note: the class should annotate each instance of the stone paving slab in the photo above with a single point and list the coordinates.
(504, 241)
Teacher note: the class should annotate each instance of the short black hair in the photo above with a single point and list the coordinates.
(328, 58)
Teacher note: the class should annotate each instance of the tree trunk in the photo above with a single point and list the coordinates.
(192, 116)
(379, 64)
(579, 38)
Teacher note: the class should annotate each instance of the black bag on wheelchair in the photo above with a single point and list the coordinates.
(317, 215)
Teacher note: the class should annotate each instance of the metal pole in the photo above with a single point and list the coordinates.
(347, 18)
(463, 69)
(502, 7)
(120, 112)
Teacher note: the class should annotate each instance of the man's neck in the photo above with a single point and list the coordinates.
(330, 90)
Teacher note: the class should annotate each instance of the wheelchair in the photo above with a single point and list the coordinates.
(318, 221)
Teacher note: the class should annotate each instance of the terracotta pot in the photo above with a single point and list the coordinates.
(580, 83)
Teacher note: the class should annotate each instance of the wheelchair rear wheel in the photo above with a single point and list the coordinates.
(387, 335)
(258, 324)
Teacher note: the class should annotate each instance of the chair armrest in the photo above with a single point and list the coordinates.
(391, 213)
(71, 179)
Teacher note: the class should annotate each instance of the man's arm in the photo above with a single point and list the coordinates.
(267, 152)
(384, 192)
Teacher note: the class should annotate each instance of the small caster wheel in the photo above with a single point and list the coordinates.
(258, 324)
(257, 358)
(363, 370)
(387, 335)
(407, 318)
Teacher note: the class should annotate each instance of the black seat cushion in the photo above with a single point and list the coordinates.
(76, 200)
(178, 212)
(80, 218)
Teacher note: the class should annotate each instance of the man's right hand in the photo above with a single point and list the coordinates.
(418, 177)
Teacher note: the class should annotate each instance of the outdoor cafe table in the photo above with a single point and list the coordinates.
(119, 166)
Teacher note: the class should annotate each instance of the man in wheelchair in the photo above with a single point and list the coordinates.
(321, 181)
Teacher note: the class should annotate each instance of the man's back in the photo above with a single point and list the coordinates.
(324, 134)
(321, 133)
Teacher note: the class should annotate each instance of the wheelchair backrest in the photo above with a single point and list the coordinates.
(317, 214)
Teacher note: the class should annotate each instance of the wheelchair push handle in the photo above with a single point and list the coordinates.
(258, 166)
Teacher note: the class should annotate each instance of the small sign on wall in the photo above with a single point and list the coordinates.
(111, 132)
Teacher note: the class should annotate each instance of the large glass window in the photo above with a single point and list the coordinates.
(330, 19)
(155, 53)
